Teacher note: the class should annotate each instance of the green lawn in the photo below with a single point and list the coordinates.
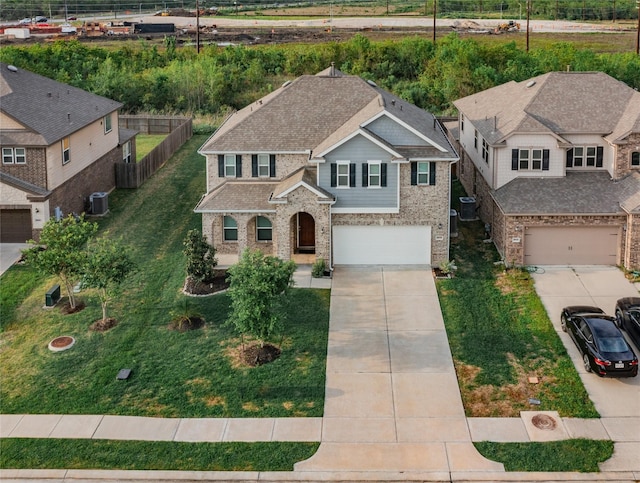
(151, 455)
(570, 455)
(500, 335)
(146, 142)
(175, 374)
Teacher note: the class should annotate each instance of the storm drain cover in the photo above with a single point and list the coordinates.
(543, 421)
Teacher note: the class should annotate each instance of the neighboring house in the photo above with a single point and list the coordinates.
(554, 165)
(59, 145)
(330, 165)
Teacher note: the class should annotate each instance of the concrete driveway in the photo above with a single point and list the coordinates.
(10, 253)
(617, 400)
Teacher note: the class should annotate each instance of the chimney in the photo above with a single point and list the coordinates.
(332, 71)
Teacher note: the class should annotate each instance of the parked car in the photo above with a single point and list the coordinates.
(604, 349)
(25, 21)
(72, 18)
(40, 19)
(628, 317)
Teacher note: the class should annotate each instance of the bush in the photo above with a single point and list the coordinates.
(319, 266)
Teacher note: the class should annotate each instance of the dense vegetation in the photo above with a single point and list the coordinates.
(146, 77)
(550, 9)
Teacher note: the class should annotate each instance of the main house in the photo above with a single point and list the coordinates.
(59, 145)
(334, 166)
(554, 165)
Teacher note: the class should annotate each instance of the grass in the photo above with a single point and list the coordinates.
(146, 142)
(151, 455)
(192, 374)
(500, 335)
(581, 455)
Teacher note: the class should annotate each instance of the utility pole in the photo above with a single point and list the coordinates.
(435, 14)
(528, 16)
(197, 27)
(638, 30)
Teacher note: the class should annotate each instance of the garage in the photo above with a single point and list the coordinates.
(589, 245)
(15, 226)
(382, 245)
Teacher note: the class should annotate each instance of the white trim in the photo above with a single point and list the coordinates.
(365, 134)
(408, 127)
(233, 211)
(216, 152)
(347, 163)
(364, 210)
(378, 163)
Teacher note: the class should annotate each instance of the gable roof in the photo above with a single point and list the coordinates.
(556, 103)
(49, 109)
(315, 112)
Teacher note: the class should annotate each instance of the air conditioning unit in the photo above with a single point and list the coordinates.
(467, 208)
(99, 203)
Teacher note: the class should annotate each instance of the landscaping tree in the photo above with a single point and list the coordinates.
(258, 289)
(201, 257)
(61, 250)
(108, 264)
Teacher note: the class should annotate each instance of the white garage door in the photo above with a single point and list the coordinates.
(591, 245)
(382, 245)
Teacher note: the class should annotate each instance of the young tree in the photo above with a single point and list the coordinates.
(108, 264)
(61, 250)
(258, 289)
(201, 257)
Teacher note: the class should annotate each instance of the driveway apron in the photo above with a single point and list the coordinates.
(392, 400)
(617, 400)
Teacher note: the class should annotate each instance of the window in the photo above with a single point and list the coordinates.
(263, 165)
(343, 174)
(14, 156)
(66, 150)
(462, 122)
(585, 157)
(475, 139)
(374, 175)
(530, 159)
(263, 229)
(230, 229)
(423, 173)
(485, 151)
(230, 165)
(107, 123)
(635, 159)
(126, 152)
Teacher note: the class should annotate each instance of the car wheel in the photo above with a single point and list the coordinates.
(619, 318)
(563, 323)
(587, 364)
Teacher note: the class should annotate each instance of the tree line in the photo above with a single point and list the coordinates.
(148, 78)
(541, 9)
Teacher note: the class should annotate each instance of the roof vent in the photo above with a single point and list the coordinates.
(286, 83)
(531, 83)
(12, 68)
(371, 83)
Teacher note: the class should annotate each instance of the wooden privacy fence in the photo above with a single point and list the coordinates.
(132, 175)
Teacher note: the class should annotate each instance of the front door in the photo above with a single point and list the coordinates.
(306, 233)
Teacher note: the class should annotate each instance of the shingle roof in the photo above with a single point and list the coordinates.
(23, 185)
(314, 112)
(630, 193)
(303, 175)
(50, 109)
(556, 102)
(238, 196)
(591, 192)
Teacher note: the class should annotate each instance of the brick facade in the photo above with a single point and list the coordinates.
(34, 171)
(623, 156)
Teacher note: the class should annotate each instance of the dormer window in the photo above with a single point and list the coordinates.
(635, 160)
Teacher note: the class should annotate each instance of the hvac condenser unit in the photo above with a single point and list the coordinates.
(99, 203)
(467, 208)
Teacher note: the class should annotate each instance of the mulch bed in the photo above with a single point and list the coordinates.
(102, 325)
(218, 284)
(66, 308)
(184, 324)
(256, 355)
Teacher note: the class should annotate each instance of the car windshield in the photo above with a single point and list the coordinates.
(613, 344)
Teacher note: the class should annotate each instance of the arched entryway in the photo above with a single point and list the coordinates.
(305, 233)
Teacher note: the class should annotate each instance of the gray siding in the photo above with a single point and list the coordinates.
(360, 150)
(394, 133)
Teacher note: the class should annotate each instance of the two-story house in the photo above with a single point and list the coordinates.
(330, 165)
(554, 165)
(59, 145)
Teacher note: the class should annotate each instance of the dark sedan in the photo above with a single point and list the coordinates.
(628, 317)
(603, 348)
